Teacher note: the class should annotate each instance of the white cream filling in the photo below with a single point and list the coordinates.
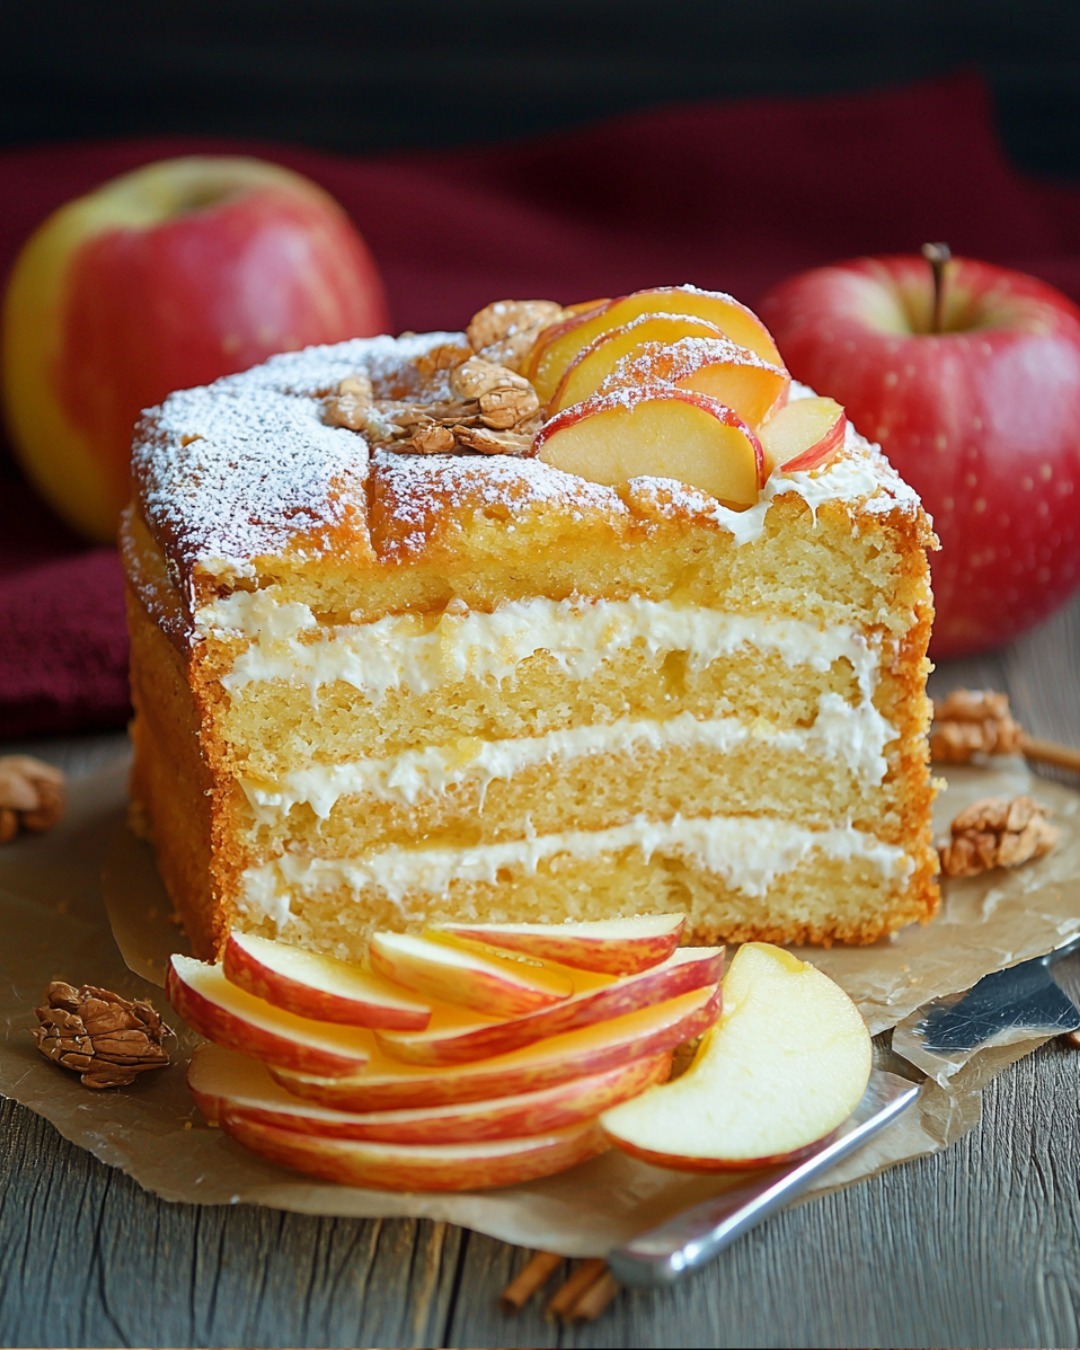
(855, 736)
(748, 853)
(419, 653)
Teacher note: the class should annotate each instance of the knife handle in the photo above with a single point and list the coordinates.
(692, 1238)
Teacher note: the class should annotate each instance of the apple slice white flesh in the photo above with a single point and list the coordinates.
(450, 1041)
(786, 1063)
(317, 986)
(660, 431)
(803, 434)
(419, 1167)
(387, 1085)
(612, 946)
(221, 1080)
(214, 1007)
(494, 985)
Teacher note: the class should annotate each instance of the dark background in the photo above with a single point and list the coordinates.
(357, 76)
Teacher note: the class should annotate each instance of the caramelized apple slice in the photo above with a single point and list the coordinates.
(751, 386)
(595, 363)
(558, 345)
(659, 431)
(804, 434)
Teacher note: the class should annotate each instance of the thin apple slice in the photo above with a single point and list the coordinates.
(595, 363)
(787, 1063)
(449, 1041)
(419, 1167)
(612, 946)
(386, 1084)
(221, 1080)
(734, 375)
(317, 986)
(486, 983)
(804, 434)
(229, 1016)
(659, 431)
(558, 344)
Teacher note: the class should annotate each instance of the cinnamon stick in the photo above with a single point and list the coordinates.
(529, 1280)
(565, 1298)
(594, 1300)
(1050, 752)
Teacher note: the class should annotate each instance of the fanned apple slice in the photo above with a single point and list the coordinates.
(419, 1167)
(487, 983)
(558, 344)
(659, 431)
(221, 1080)
(787, 1063)
(452, 1042)
(612, 946)
(734, 375)
(319, 987)
(804, 434)
(386, 1084)
(595, 363)
(229, 1016)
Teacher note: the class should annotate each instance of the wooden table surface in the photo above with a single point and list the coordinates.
(977, 1246)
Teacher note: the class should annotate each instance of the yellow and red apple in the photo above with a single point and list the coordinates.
(976, 402)
(167, 277)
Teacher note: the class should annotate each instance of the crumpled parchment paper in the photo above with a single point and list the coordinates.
(55, 912)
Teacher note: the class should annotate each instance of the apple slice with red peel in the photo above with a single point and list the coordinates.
(386, 1084)
(487, 983)
(560, 343)
(450, 1041)
(804, 434)
(221, 1080)
(317, 986)
(659, 431)
(734, 375)
(419, 1167)
(595, 363)
(787, 1062)
(611, 946)
(217, 1009)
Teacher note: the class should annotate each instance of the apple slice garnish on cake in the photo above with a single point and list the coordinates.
(318, 987)
(560, 343)
(228, 1015)
(386, 1084)
(222, 1081)
(657, 430)
(485, 981)
(420, 1167)
(804, 434)
(611, 946)
(595, 362)
(450, 1040)
(786, 1063)
(733, 375)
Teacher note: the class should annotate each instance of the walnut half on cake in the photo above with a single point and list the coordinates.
(383, 678)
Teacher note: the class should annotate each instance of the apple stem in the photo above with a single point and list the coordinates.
(937, 255)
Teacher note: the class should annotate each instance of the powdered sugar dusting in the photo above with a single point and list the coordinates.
(246, 466)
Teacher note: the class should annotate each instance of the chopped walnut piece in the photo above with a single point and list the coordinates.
(488, 442)
(504, 332)
(997, 832)
(968, 722)
(106, 1039)
(446, 357)
(31, 795)
(430, 438)
(351, 407)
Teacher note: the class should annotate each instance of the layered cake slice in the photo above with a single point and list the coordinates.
(414, 640)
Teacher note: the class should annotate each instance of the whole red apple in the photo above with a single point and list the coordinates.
(167, 277)
(979, 411)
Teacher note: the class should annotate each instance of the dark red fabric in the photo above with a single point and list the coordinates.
(729, 196)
